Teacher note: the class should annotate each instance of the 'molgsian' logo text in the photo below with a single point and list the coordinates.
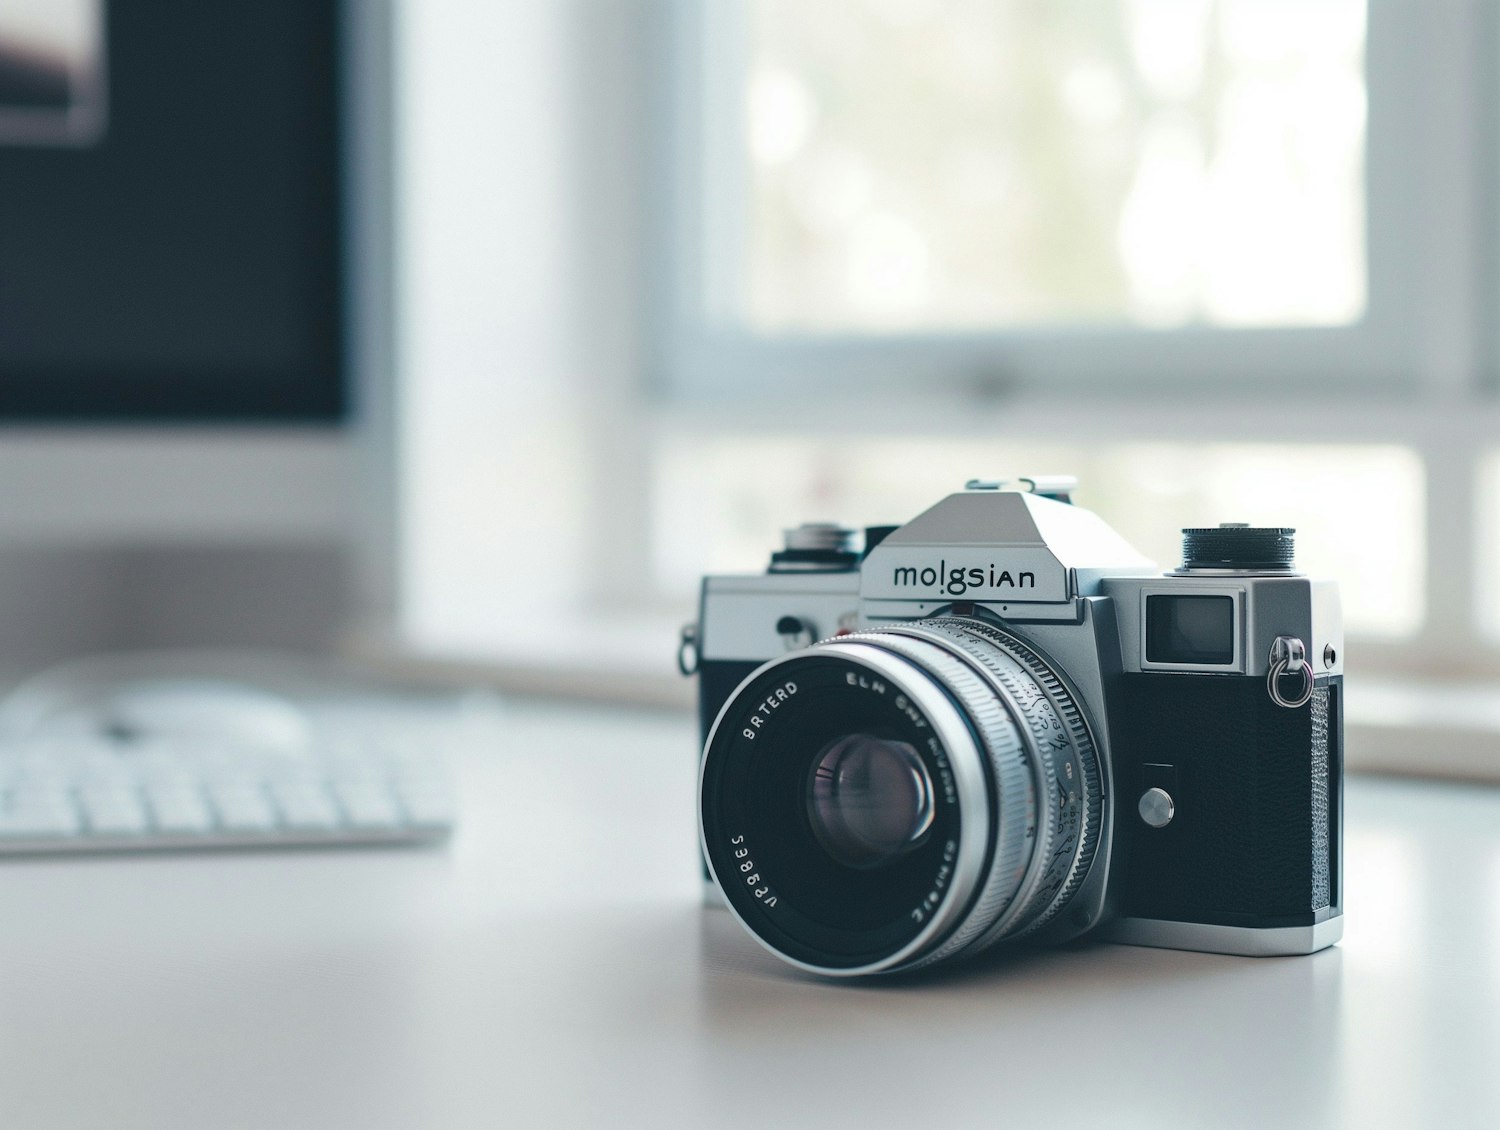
(957, 581)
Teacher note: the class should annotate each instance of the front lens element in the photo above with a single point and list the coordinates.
(869, 800)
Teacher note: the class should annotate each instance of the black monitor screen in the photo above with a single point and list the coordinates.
(170, 210)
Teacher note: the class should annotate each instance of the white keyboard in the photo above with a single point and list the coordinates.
(91, 793)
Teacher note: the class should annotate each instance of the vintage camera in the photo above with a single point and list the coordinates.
(1015, 727)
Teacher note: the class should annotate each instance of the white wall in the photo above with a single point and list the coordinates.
(519, 229)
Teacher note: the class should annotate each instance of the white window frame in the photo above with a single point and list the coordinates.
(1427, 169)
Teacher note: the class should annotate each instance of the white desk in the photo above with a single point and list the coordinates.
(552, 967)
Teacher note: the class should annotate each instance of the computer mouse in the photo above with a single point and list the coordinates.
(204, 710)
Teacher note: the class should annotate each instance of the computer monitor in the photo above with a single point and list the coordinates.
(174, 478)
(171, 180)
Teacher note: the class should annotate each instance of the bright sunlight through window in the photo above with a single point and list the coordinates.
(947, 165)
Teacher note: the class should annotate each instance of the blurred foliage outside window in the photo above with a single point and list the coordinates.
(962, 165)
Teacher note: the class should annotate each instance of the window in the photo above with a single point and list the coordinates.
(912, 165)
(628, 373)
(1025, 198)
(1221, 257)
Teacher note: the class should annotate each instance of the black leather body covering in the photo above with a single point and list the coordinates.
(1257, 789)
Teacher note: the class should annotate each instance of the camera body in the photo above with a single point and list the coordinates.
(1180, 769)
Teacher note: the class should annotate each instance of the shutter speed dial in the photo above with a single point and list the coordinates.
(1237, 548)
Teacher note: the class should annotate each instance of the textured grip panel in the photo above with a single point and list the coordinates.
(1250, 843)
(1322, 882)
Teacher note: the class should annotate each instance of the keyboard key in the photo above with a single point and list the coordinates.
(116, 820)
(112, 811)
(367, 805)
(305, 806)
(242, 808)
(175, 780)
(105, 777)
(37, 795)
(41, 777)
(178, 810)
(26, 823)
(178, 794)
(427, 806)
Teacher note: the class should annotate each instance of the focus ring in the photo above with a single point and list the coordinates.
(1015, 798)
(1057, 824)
(1066, 764)
(1089, 784)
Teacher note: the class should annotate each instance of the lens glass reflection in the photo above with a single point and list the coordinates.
(869, 800)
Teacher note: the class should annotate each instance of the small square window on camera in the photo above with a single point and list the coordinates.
(1190, 629)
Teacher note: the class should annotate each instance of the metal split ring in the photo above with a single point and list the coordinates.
(1273, 684)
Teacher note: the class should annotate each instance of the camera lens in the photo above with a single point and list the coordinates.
(896, 798)
(869, 800)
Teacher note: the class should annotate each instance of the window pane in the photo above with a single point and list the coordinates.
(1487, 546)
(721, 503)
(967, 164)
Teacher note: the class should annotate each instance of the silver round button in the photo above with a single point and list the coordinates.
(1156, 807)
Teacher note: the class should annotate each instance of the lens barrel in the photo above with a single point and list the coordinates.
(895, 798)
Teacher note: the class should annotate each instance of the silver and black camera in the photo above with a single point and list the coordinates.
(1015, 727)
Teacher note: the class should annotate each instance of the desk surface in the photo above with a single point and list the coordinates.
(552, 966)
